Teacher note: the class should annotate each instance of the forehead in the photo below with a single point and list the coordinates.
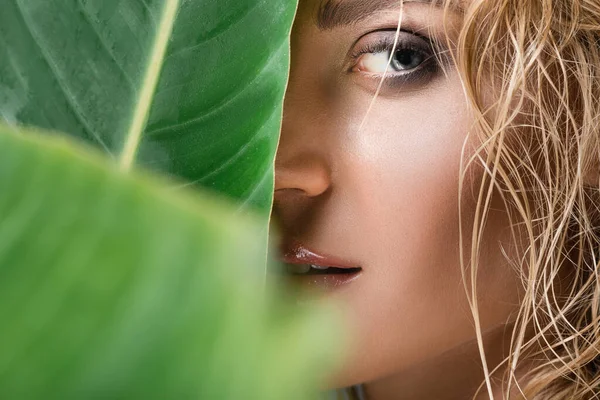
(328, 14)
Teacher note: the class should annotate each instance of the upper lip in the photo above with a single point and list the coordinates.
(294, 252)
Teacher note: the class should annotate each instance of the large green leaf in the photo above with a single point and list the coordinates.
(111, 288)
(191, 88)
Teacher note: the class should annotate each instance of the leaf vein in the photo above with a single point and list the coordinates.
(227, 100)
(255, 190)
(216, 32)
(13, 64)
(102, 41)
(152, 16)
(69, 97)
(144, 103)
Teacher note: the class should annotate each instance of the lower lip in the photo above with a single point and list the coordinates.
(328, 282)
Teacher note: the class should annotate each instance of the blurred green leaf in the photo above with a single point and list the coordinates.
(113, 288)
(190, 88)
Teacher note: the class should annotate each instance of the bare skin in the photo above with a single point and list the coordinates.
(381, 189)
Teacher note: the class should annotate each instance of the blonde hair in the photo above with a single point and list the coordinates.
(530, 70)
(538, 120)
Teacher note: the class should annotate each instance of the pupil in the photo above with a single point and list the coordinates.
(407, 59)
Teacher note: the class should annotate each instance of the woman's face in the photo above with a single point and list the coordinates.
(375, 185)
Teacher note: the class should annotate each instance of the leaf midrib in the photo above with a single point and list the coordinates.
(146, 94)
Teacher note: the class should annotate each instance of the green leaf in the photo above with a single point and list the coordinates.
(113, 288)
(190, 88)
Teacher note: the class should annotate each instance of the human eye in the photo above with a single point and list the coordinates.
(409, 59)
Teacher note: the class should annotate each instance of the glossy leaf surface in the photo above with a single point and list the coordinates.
(190, 88)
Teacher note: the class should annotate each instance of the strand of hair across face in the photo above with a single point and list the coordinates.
(389, 62)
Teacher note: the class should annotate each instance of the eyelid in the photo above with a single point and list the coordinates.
(393, 31)
(387, 45)
(384, 40)
(395, 82)
(436, 47)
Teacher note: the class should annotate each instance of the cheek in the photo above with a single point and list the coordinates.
(404, 169)
(401, 175)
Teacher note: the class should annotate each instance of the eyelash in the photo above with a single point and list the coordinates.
(426, 70)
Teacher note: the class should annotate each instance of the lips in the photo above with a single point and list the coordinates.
(310, 268)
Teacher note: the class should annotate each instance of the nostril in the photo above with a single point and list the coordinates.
(310, 175)
(282, 194)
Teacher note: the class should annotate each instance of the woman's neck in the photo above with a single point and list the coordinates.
(455, 375)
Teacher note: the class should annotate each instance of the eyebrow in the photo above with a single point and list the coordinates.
(336, 13)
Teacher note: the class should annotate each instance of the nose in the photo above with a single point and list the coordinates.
(303, 160)
(302, 178)
(301, 164)
(301, 173)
